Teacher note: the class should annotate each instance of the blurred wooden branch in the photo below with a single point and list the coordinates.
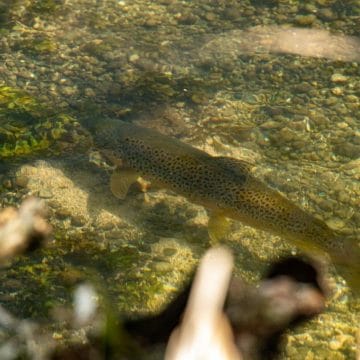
(253, 318)
(24, 229)
(205, 331)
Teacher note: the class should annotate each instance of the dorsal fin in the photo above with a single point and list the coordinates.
(236, 166)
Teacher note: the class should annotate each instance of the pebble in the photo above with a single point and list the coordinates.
(311, 8)
(45, 194)
(57, 336)
(323, 2)
(21, 180)
(270, 125)
(332, 100)
(7, 184)
(352, 98)
(342, 125)
(169, 251)
(326, 14)
(304, 87)
(347, 149)
(162, 266)
(210, 16)
(152, 22)
(319, 119)
(310, 356)
(89, 92)
(115, 234)
(305, 19)
(71, 276)
(339, 78)
(199, 98)
(231, 13)
(78, 220)
(345, 212)
(106, 226)
(12, 284)
(69, 90)
(62, 212)
(325, 204)
(134, 58)
(337, 91)
(286, 134)
(339, 341)
(335, 223)
(356, 138)
(186, 18)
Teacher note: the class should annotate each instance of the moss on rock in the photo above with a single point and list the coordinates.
(30, 127)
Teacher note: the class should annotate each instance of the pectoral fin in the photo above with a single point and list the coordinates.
(218, 227)
(121, 180)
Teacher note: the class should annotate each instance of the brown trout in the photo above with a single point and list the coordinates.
(223, 185)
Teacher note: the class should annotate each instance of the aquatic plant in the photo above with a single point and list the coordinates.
(27, 126)
(35, 45)
(44, 6)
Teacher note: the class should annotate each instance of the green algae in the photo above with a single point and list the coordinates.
(32, 286)
(28, 126)
(44, 6)
(98, 49)
(16, 100)
(6, 7)
(40, 44)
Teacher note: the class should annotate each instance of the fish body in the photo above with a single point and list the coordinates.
(223, 185)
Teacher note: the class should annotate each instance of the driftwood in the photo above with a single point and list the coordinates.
(253, 318)
(205, 331)
(24, 229)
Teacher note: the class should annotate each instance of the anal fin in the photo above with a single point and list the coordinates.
(218, 227)
(121, 180)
